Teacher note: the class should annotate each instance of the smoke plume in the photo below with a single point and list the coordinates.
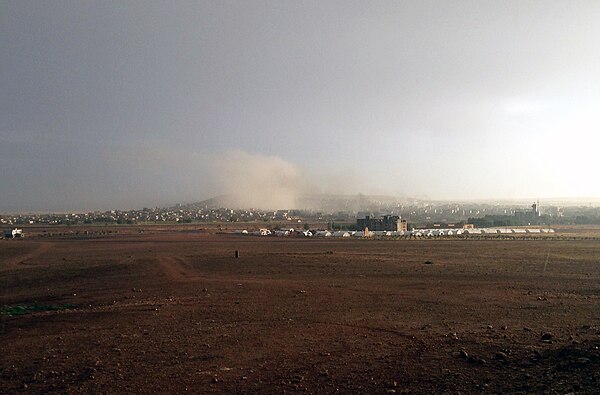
(259, 181)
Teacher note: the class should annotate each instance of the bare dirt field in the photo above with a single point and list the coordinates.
(172, 310)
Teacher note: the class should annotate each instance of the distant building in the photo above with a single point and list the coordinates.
(531, 216)
(385, 223)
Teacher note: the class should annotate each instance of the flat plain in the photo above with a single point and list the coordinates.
(170, 310)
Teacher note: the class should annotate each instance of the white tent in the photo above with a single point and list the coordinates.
(323, 233)
(341, 233)
(360, 233)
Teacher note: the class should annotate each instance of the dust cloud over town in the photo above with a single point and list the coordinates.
(245, 180)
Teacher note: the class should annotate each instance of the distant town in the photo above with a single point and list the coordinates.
(340, 213)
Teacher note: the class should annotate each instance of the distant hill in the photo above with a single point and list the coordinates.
(318, 202)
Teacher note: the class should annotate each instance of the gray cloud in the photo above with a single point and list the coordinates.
(126, 103)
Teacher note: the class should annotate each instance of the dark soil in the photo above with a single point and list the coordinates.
(169, 312)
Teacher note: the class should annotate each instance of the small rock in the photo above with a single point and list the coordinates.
(500, 356)
(463, 354)
(477, 360)
(547, 336)
(583, 361)
(297, 379)
(536, 356)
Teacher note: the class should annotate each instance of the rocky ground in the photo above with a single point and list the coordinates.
(175, 312)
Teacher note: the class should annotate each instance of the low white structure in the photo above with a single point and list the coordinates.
(361, 233)
(322, 233)
(341, 233)
(261, 232)
(381, 233)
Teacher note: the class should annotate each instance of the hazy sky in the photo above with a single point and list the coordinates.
(129, 104)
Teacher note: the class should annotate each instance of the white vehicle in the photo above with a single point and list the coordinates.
(14, 233)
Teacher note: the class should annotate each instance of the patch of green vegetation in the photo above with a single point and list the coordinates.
(28, 309)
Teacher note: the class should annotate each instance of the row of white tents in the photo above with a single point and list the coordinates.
(278, 233)
(478, 231)
(410, 233)
(435, 232)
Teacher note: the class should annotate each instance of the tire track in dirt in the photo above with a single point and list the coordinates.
(391, 331)
(178, 269)
(41, 248)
